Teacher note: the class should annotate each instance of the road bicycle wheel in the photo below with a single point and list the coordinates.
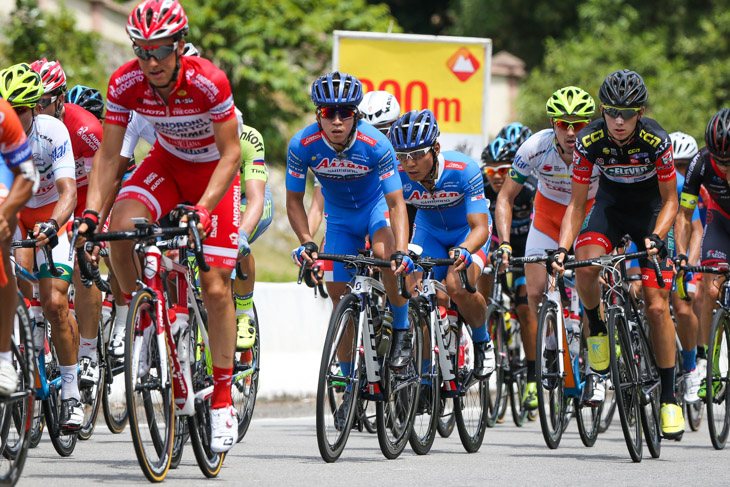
(367, 416)
(113, 398)
(64, 443)
(178, 443)
(245, 384)
(625, 379)
(337, 393)
(37, 424)
(693, 413)
(551, 401)
(429, 400)
(649, 381)
(517, 383)
(497, 396)
(718, 380)
(150, 402)
(587, 417)
(446, 419)
(15, 411)
(608, 409)
(91, 396)
(471, 405)
(401, 389)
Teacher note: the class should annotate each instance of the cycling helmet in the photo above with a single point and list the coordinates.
(380, 108)
(52, 76)
(20, 85)
(190, 50)
(684, 146)
(623, 88)
(570, 101)
(717, 134)
(499, 150)
(515, 133)
(414, 130)
(87, 98)
(156, 19)
(337, 89)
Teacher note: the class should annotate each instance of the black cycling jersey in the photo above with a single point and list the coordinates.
(703, 171)
(637, 165)
(521, 213)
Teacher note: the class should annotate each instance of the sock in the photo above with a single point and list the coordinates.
(702, 351)
(127, 298)
(531, 376)
(120, 320)
(689, 360)
(400, 317)
(222, 378)
(479, 335)
(595, 323)
(87, 348)
(426, 367)
(667, 380)
(346, 369)
(7, 356)
(69, 382)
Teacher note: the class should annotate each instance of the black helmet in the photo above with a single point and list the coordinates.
(717, 134)
(624, 88)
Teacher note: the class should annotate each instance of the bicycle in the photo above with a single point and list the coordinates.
(561, 371)
(177, 380)
(350, 367)
(717, 378)
(450, 364)
(633, 368)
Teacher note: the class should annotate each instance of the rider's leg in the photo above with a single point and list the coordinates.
(87, 302)
(122, 251)
(64, 332)
(662, 337)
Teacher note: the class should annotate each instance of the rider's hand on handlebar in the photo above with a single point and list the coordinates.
(462, 257)
(84, 224)
(555, 261)
(656, 245)
(505, 249)
(401, 262)
(306, 252)
(46, 233)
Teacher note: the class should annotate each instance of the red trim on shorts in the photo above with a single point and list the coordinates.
(648, 278)
(594, 238)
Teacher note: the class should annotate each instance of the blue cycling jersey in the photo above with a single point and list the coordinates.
(357, 178)
(458, 192)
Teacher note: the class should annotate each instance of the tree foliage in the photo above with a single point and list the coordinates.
(31, 33)
(273, 51)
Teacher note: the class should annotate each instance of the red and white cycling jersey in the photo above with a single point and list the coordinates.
(85, 132)
(184, 125)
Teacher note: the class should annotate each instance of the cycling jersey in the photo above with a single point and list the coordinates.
(521, 214)
(703, 171)
(441, 222)
(137, 128)
(51, 147)
(253, 165)
(14, 147)
(85, 132)
(184, 125)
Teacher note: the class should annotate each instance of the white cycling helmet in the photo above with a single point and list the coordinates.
(380, 109)
(683, 145)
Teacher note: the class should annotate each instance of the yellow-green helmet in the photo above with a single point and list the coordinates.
(570, 101)
(20, 85)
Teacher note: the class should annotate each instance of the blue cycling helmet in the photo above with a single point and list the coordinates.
(88, 98)
(414, 130)
(515, 133)
(337, 89)
(499, 150)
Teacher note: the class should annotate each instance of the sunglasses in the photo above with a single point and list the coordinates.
(157, 52)
(501, 170)
(21, 110)
(384, 129)
(414, 154)
(721, 162)
(345, 113)
(625, 113)
(46, 102)
(574, 125)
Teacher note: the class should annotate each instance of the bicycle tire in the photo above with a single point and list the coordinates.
(426, 418)
(694, 414)
(91, 397)
(367, 416)
(37, 425)
(63, 443)
(245, 389)
(626, 387)
(178, 441)
(334, 400)
(470, 406)
(16, 411)
(551, 401)
(587, 417)
(401, 389)
(497, 400)
(650, 403)
(608, 409)
(517, 387)
(152, 440)
(718, 377)
(447, 419)
(113, 398)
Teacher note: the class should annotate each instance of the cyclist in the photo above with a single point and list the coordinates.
(46, 216)
(709, 168)
(515, 133)
(548, 155)
(18, 178)
(356, 165)
(453, 219)
(195, 158)
(637, 195)
(87, 98)
(85, 132)
(685, 148)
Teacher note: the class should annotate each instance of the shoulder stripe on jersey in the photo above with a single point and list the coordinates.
(312, 138)
(459, 166)
(368, 140)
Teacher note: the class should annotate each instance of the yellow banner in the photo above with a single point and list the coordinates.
(446, 78)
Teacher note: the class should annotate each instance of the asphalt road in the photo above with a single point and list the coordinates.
(283, 451)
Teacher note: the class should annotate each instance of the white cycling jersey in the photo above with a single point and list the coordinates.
(540, 155)
(50, 144)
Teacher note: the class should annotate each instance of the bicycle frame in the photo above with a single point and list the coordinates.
(429, 289)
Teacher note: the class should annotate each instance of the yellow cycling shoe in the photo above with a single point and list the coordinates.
(246, 335)
(598, 353)
(529, 398)
(672, 421)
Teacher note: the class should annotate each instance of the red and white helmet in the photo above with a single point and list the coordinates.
(156, 19)
(52, 76)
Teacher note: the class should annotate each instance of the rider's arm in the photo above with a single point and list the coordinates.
(479, 225)
(398, 218)
(253, 167)
(297, 216)
(105, 167)
(670, 203)
(574, 214)
(695, 241)
(226, 139)
(316, 209)
(66, 200)
(683, 229)
(505, 202)
(21, 190)
(255, 193)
